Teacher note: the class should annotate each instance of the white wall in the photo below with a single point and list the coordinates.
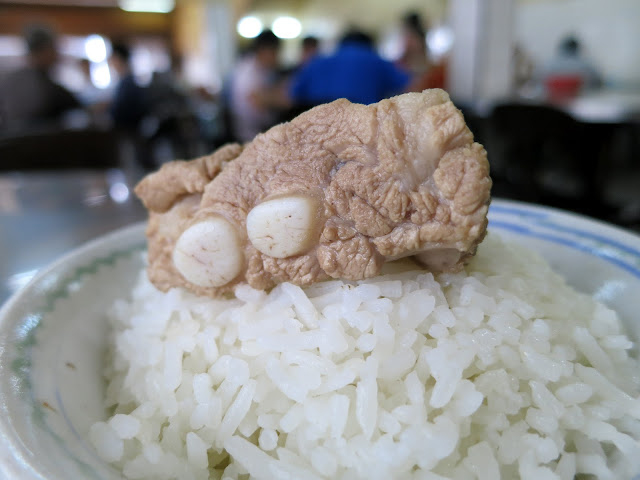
(608, 29)
(496, 76)
(480, 61)
(372, 15)
(328, 19)
(205, 35)
(463, 64)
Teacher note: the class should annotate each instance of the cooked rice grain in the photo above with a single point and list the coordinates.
(500, 371)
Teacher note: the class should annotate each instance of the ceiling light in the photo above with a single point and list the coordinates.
(100, 75)
(151, 6)
(95, 48)
(286, 27)
(249, 27)
(440, 40)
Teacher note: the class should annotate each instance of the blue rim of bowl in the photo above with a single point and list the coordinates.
(550, 224)
(540, 222)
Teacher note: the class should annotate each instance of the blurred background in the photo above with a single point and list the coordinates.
(96, 93)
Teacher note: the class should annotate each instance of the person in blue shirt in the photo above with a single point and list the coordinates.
(354, 71)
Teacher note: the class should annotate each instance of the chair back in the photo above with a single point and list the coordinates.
(528, 141)
(60, 149)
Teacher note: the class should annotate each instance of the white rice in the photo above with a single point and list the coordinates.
(501, 371)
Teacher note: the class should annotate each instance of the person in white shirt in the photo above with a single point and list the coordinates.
(250, 109)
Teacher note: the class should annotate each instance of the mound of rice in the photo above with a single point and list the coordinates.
(501, 371)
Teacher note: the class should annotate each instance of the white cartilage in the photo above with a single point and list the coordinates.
(208, 254)
(284, 226)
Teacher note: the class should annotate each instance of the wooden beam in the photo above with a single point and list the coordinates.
(72, 20)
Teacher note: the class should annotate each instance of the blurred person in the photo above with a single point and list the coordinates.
(129, 104)
(354, 71)
(251, 100)
(174, 129)
(414, 58)
(310, 48)
(166, 94)
(522, 67)
(95, 100)
(89, 95)
(29, 98)
(568, 72)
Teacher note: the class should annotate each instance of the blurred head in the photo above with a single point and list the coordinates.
(41, 46)
(310, 47)
(358, 37)
(266, 47)
(414, 32)
(120, 58)
(569, 46)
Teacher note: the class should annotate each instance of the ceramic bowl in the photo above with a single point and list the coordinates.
(53, 331)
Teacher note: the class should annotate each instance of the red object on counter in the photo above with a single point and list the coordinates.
(561, 88)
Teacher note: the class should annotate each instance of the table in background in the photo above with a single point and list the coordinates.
(44, 215)
(606, 106)
(601, 145)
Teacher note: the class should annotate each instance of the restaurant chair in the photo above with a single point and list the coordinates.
(60, 149)
(537, 153)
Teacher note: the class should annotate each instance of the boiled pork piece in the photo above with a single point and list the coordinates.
(335, 193)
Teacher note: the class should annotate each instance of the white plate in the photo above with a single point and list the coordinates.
(52, 332)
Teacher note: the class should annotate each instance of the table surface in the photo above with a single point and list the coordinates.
(47, 214)
(606, 106)
(600, 106)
